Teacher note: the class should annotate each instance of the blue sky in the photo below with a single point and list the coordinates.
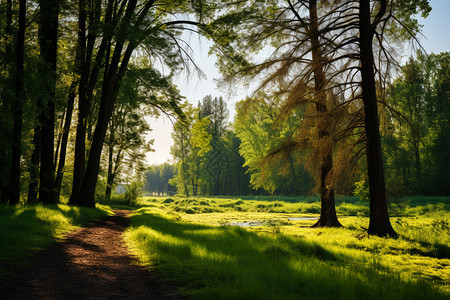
(436, 38)
(436, 29)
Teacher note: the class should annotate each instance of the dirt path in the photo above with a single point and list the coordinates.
(91, 263)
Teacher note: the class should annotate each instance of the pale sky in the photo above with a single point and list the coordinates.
(436, 38)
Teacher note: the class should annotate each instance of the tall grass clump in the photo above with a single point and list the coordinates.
(225, 262)
(25, 229)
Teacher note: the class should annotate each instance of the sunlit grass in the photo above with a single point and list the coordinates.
(189, 240)
(25, 229)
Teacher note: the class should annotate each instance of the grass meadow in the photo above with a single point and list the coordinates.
(195, 243)
(26, 229)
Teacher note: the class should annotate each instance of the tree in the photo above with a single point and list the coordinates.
(217, 159)
(343, 47)
(135, 28)
(379, 223)
(257, 127)
(157, 179)
(18, 108)
(48, 43)
(6, 83)
(125, 141)
(88, 70)
(418, 100)
(294, 34)
(192, 142)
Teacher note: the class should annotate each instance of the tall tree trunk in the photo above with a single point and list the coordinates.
(328, 216)
(379, 223)
(80, 138)
(109, 95)
(88, 80)
(18, 108)
(48, 43)
(5, 119)
(110, 176)
(33, 169)
(115, 72)
(65, 138)
(418, 168)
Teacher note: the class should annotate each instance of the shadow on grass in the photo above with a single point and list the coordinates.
(232, 263)
(436, 250)
(26, 229)
(89, 264)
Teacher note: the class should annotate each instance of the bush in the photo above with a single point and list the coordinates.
(133, 191)
(362, 190)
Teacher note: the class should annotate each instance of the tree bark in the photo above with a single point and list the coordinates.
(109, 95)
(80, 138)
(14, 197)
(88, 80)
(48, 43)
(65, 138)
(6, 121)
(379, 223)
(328, 216)
(34, 166)
(113, 166)
(115, 71)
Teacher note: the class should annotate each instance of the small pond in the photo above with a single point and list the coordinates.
(261, 223)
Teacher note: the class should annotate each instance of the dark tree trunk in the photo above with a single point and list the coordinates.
(379, 218)
(48, 38)
(14, 197)
(109, 94)
(418, 168)
(34, 166)
(64, 139)
(109, 184)
(87, 191)
(113, 167)
(88, 80)
(5, 119)
(115, 73)
(80, 138)
(328, 216)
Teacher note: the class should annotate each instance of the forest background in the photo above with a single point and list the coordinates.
(73, 109)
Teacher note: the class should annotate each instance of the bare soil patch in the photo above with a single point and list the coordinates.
(91, 263)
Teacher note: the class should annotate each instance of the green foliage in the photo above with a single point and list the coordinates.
(362, 190)
(416, 144)
(260, 131)
(157, 179)
(133, 191)
(206, 152)
(26, 229)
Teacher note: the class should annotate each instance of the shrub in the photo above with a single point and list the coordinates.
(362, 190)
(133, 191)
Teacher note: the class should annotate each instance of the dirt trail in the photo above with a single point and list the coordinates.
(91, 263)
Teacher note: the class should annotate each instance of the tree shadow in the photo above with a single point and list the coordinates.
(92, 263)
(259, 266)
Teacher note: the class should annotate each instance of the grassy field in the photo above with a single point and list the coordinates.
(193, 243)
(25, 229)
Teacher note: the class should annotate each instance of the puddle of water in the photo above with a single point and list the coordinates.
(247, 224)
(260, 223)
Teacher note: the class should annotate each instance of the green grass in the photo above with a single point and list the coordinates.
(26, 229)
(189, 241)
